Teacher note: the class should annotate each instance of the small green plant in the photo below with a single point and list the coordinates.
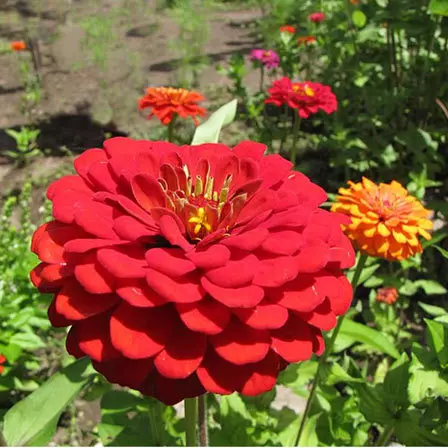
(26, 144)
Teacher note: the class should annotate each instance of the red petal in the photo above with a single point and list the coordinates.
(127, 262)
(313, 258)
(240, 344)
(80, 246)
(131, 229)
(65, 183)
(286, 242)
(322, 317)
(172, 230)
(250, 149)
(66, 204)
(99, 174)
(185, 289)
(169, 261)
(49, 277)
(148, 192)
(293, 342)
(219, 376)
(299, 295)
(71, 344)
(245, 297)
(83, 162)
(97, 219)
(137, 293)
(263, 375)
(234, 273)
(274, 168)
(275, 272)
(170, 391)
(93, 276)
(56, 319)
(93, 336)
(74, 303)
(212, 257)
(206, 316)
(264, 316)
(247, 241)
(182, 355)
(318, 341)
(141, 332)
(261, 202)
(125, 372)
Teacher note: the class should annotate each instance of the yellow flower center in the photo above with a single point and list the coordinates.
(200, 219)
(304, 89)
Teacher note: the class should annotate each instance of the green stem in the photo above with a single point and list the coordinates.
(261, 78)
(386, 434)
(328, 350)
(202, 411)
(191, 412)
(285, 119)
(171, 128)
(295, 134)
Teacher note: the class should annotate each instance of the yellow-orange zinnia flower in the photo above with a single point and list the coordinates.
(166, 102)
(18, 45)
(386, 220)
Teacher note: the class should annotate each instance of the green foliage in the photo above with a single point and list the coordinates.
(26, 144)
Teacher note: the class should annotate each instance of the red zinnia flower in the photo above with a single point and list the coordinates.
(307, 97)
(189, 269)
(165, 102)
(305, 40)
(18, 45)
(2, 361)
(387, 295)
(287, 29)
(317, 17)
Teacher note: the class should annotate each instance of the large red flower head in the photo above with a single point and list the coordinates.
(168, 102)
(189, 269)
(307, 97)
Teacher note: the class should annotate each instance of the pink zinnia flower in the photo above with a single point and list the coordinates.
(268, 58)
(317, 17)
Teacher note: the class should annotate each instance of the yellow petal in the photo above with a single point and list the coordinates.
(399, 236)
(383, 230)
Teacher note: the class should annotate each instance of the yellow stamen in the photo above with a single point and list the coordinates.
(201, 221)
(198, 186)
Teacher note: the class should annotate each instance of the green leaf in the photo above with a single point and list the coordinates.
(442, 251)
(439, 7)
(438, 333)
(28, 341)
(430, 287)
(309, 436)
(433, 310)
(426, 384)
(371, 404)
(208, 132)
(336, 374)
(33, 420)
(366, 273)
(359, 18)
(372, 338)
(396, 385)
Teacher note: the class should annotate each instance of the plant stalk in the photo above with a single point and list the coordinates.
(385, 435)
(191, 414)
(328, 350)
(261, 78)
(154, 416)
(295, 134)
(171, 128)
(202, 418)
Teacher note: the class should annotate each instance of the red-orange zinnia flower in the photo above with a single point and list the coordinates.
(386, 219)
(307, 97)
(18, 45)
(189, 269)
(2, 361)
(387, 295)
(317, 17)
(288, 29)
(306, 40)
(166, 102)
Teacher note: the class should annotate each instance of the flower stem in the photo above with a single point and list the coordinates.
(171, 128)
(202, 411)
(295, 134)
(261, 78)
(386, 434)
(191, 412)
(328, 350)
(154, 417)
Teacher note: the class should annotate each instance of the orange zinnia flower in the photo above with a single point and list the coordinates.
(18, 45)
(387, 295)
(287, 29)
(305, 40)
(386, 220)
(167, 102)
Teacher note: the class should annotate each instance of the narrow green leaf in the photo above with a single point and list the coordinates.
(208, 132)
(442, 251)
(432, 309)
(359, 18)
(372, 338)
(438, 338)
(33, 419)
(430, 287)
(439, 7)
(336, 374)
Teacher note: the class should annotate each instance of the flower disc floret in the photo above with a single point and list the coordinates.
(386, 221)
(182, 270)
